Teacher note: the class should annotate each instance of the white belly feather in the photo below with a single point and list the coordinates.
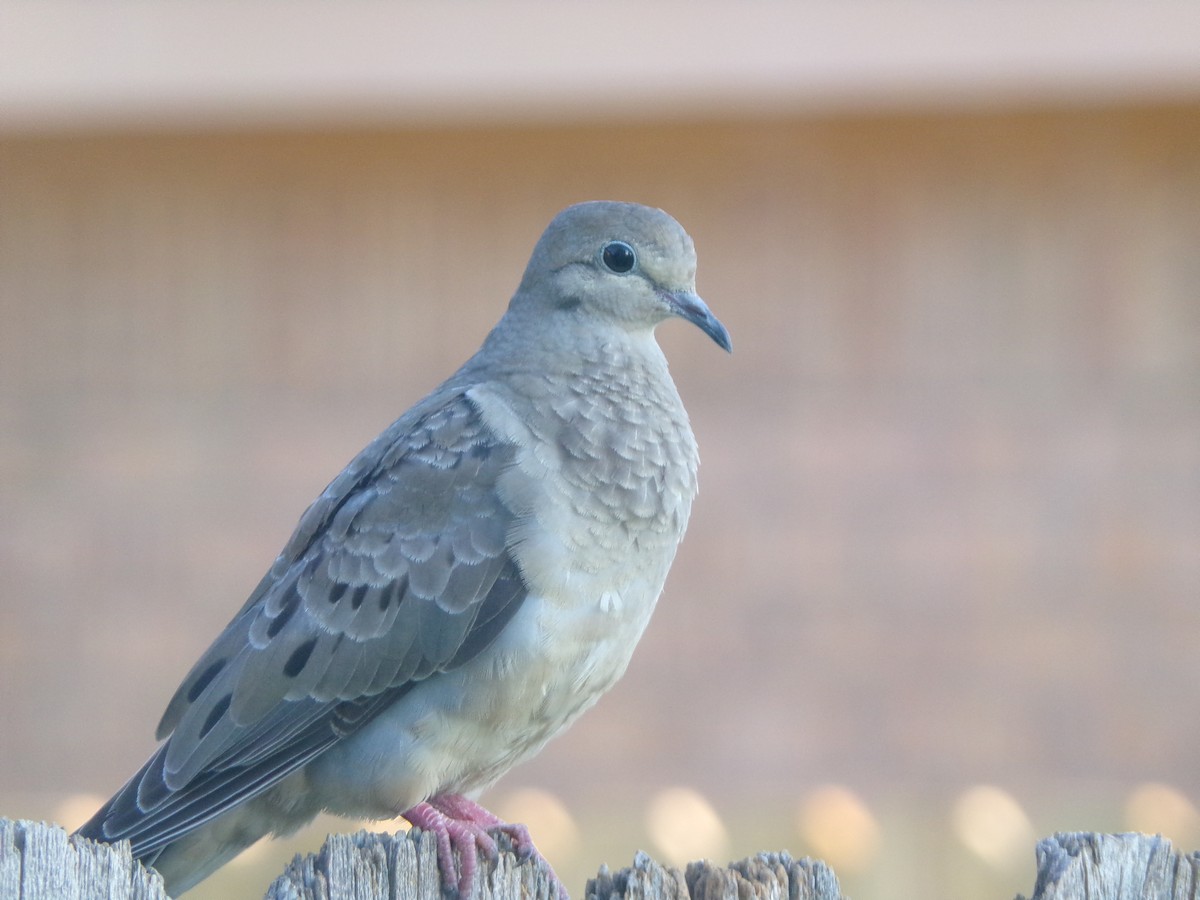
(461, 730)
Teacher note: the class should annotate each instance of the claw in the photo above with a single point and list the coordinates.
(461, 825)
(522, 843)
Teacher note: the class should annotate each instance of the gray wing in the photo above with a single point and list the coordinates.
(399, 570)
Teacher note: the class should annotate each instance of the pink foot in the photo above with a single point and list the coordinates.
(461, 824)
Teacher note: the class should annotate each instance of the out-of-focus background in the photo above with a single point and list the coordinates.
(941, 591)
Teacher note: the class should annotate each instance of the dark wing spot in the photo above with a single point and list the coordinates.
(204, 679)
(214, 716)
(335, 593)
(356, 598)
(299, 658)
(393, 593)
(289, 609)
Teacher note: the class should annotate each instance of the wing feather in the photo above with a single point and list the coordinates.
(400, 569)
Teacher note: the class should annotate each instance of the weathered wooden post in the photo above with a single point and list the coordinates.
(41, 862)
(1087, 866)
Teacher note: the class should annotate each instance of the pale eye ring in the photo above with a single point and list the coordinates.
(619, 257)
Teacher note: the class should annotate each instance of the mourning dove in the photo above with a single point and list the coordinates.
(471, 583)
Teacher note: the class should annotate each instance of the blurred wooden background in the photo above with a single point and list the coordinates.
(949, 525)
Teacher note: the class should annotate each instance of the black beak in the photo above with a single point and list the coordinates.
(687, 305)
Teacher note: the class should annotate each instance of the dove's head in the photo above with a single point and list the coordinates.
(623, 264)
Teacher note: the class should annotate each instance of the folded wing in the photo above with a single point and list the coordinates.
(399, 570)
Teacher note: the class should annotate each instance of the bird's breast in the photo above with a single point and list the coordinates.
(605, 472)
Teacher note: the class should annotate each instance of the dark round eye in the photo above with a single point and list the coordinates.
(619, 257)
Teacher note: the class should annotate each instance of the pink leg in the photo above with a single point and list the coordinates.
(459, 807)
(461, 824)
